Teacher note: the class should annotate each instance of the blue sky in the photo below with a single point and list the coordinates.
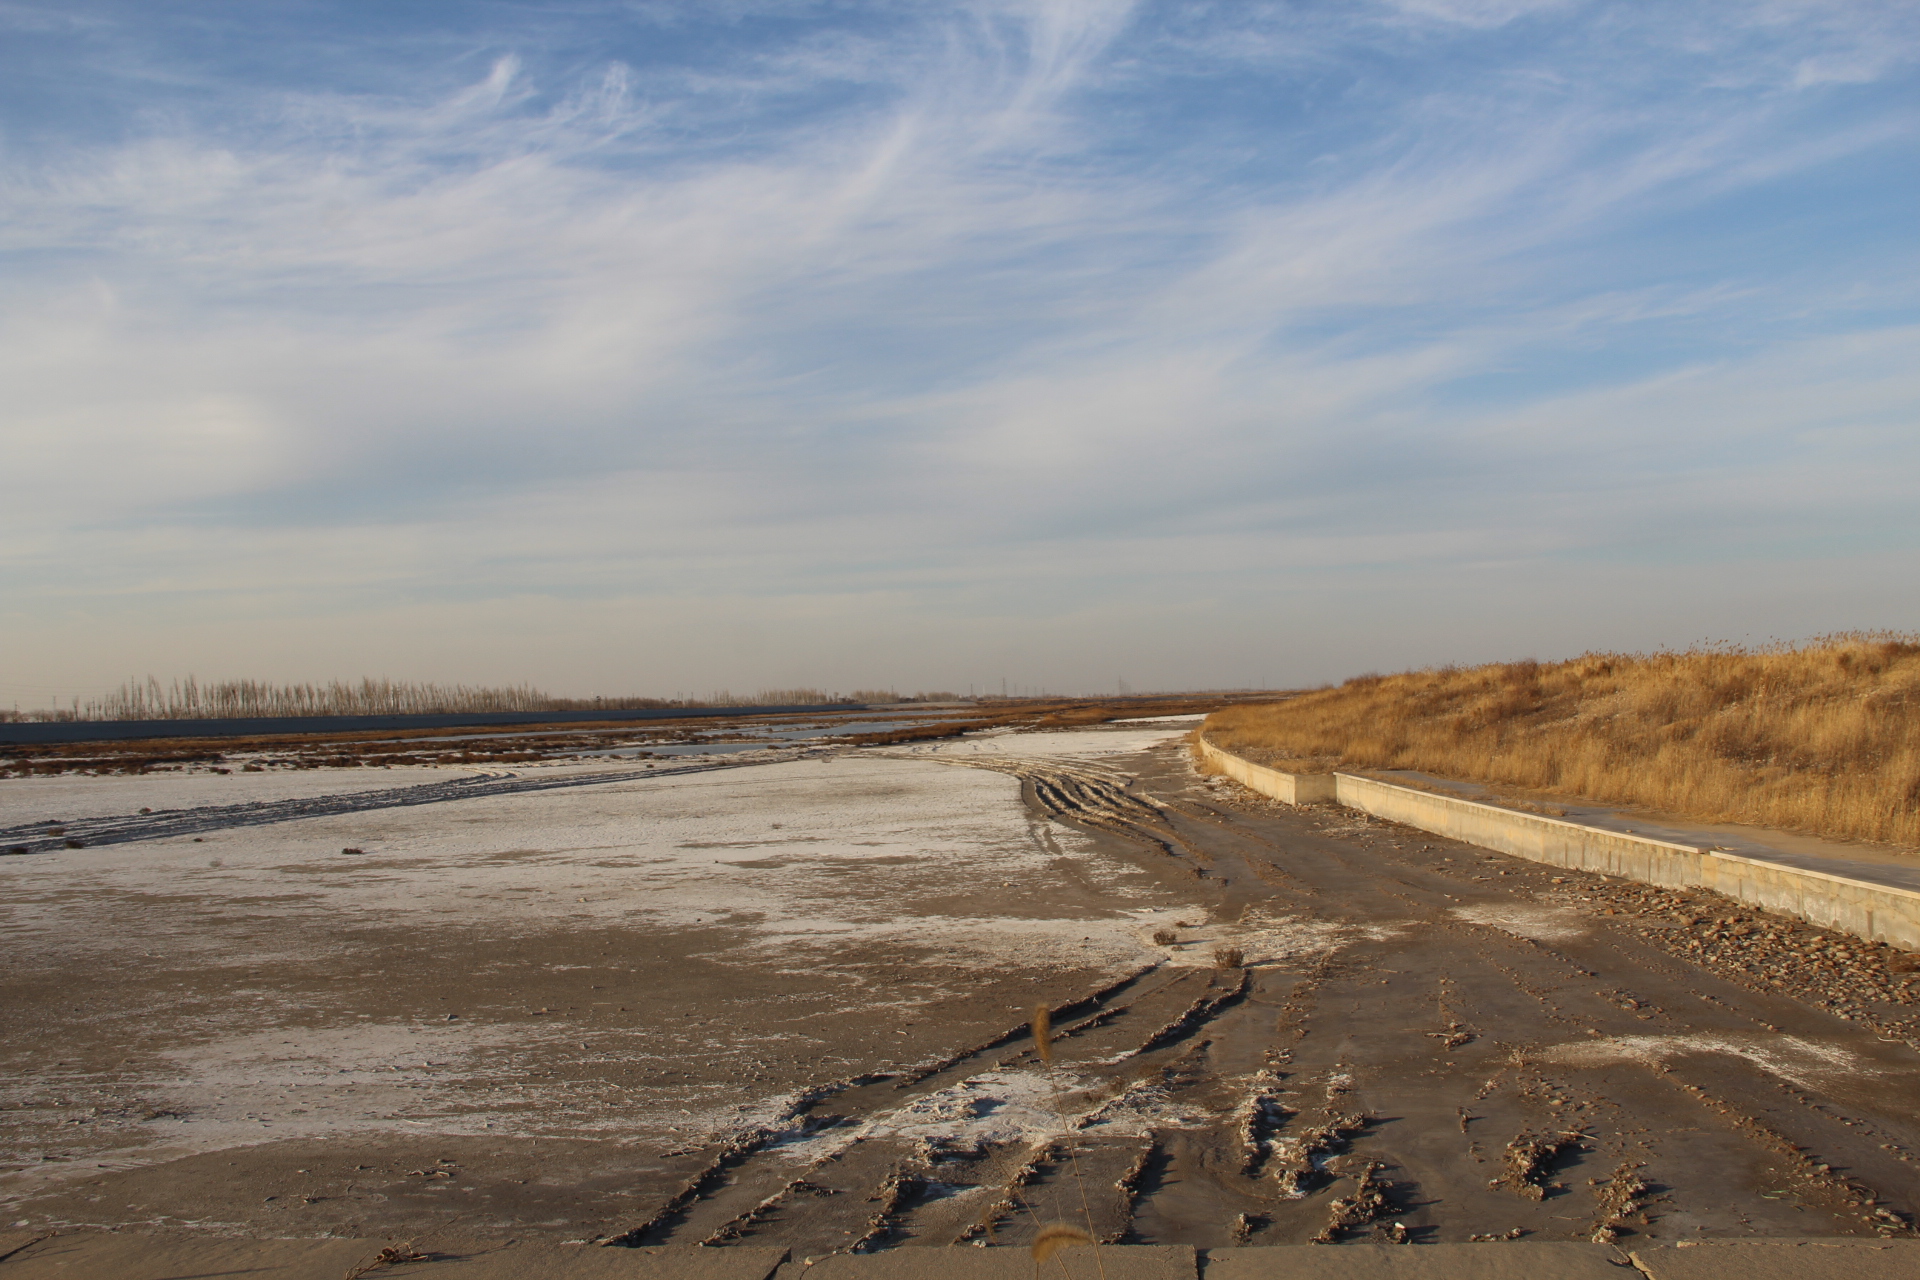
(660, 347)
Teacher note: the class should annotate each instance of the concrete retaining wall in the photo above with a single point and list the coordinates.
(1550, 840)
(1293, 788)
(1878, 912)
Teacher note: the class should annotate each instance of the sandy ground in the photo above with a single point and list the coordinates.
(783, 1003)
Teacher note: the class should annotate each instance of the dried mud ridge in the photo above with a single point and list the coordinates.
(1648, 1064)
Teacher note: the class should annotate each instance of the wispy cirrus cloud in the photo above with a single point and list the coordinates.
(995, 310)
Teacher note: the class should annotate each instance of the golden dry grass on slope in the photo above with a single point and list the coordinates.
(1822, 736)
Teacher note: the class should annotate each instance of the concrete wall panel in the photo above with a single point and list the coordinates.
(1290, 788)
(1879, 912)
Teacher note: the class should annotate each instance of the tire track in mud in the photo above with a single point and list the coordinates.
(940, 1151)
(1088, 796)
(729, 1204)
(1459, 1056)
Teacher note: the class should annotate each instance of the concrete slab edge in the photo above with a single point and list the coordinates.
(1840, 1256)
(1876, 912)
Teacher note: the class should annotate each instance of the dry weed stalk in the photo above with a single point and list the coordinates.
(1059, 1235)
(394, 1255)
(1042, 1026)
(1821, 736)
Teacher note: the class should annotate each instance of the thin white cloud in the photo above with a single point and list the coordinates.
(903, 314)
(1477, 13)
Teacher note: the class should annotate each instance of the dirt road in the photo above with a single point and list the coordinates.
(1343, 1031)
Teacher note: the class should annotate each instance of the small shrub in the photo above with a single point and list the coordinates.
(1165, 937)
(1228, 957)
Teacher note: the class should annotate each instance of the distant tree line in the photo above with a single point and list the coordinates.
(190, 699)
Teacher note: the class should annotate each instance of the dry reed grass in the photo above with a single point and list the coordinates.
(1055, 1236)
(1821, 736)
(394, 1255)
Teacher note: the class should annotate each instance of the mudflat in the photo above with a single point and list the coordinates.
(783, 1003)
(534, 1011)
